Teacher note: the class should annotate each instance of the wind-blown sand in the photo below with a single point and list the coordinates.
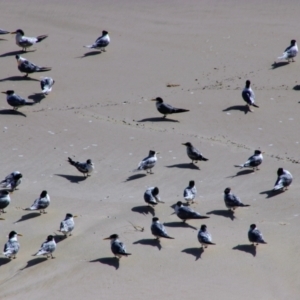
(100, 108)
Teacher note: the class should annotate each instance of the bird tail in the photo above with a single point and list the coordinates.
(44, 69)
(71, 161)
(284, 56)
(204, 159)
(180, 110)
(41, 37)
(239, 166)
(46, 90)
(169, 237)
(277, 187)
(244, 205)
(89, 46)
(128, 254)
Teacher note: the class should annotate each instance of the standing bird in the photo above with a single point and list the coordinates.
(86, 168)
(232, 201)
(47, 248)
(101, 42)
(151, 196)
(3, 31)
(4, 200)
(190, 192)
(117, 247)
(186, 213)
(290, 52)
(167, 109)
(41, 203)
(12, 180)
(253, 161)
(27, 67)
(46, 85)
(67, 225)
(255, 236)
(15, 100)
(25, 42)
(193, 153)
(204, 237)
(284, 180)
(159, 230)
(148, 162)
(248, 96)
(12, 246)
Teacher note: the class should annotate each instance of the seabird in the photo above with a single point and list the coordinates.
(12, 246)
(47, 248)
(167, 109)
(25, 42)
(186, 213)
(12, 180)
(253, 161)
(3, 31)
(101, 42)
(41, 203)
(15, 100)
(159, 230)
(46, 85)
(204, 237)
(232, 201)
(67, 225)
(193, 153)
(27, 67)
(117, 247)
(85, 167)
(148, 162)
(248, 96)
(4, 200)
(284, 180)
(190, 192)
(290, 52)
(255, 236)
(151, 196)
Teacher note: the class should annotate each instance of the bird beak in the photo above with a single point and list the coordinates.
(19, 234)
(108, 238)
(173, 213)
(2, 219)
(3, 92)
(13, 32)
(75, 216)
(183, 144)
(157, 152)
(153, 99)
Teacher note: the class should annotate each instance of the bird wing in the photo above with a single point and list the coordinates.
(187, 194)
(27, 41)
(27, 66)
(158, 229)
(101, 42)
(248, 96)
(204, 237)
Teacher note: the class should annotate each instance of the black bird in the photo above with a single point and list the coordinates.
(193, 153)
(232, 201)
(15, 100)
(27, 67)
(167, 109)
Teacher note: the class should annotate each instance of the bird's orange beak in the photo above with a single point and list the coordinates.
(13, 32)
(108, 238)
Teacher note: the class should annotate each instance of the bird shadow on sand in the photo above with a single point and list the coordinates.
(271, 193)
(17, 78)
(158, 119)
(90, 53)
(276, 65)
(144, 210)
(179, 224)
(223, 212)
(246, 248)
(296, 87)
(72, 178)
(243, 172)
(12, 112)
(110, 261)
(4, 261)
(135, 176)
(237, 107)
(37, 97)
(13, 53)
(197, 252)
(149, 242)
(34, 262)
(28, 217)
(185, 166)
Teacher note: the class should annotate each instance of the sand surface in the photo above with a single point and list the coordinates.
(100, 108)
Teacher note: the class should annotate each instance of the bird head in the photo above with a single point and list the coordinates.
(50, 238)
(203, 227)
(19, 31)
(112, 237)
(104, 32)
(13, 234)
(248, 83)
(9, 92)
(192, 183)
(252, 226)
(280, 171)
(43, 194)
(293, 42)
(188, 144)
(227, 190)
(155, 219)
(158, 100)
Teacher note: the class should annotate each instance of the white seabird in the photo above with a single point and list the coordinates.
(151, 196)
(25, 66)
(12, 180)
(25, 42)
(249, 96)
(253, 161)
(167, 109)
(159, 230)
(47, 248)
(84, 167)
(67, 225)
(284, 180)
(117, 247)
(12, 246)
(232, 201)
(148, 162)
(101, 42)
(186, 213)
(190, 192)
(41, 203)
(15, 100)
(204, 237)
(4, 200)
(193, 153)
(255, 236)
(46, 85)
(290, 52)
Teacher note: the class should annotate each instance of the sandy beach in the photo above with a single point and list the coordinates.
(100, 109)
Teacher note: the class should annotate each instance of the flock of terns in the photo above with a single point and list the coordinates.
(151, 195)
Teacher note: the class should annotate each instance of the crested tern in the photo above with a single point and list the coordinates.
(193, 153)
(46, 85)
(159, 230)
(232, 201)
(255, 236)
(4, 200)
(253, 161)
(15, 100)
(12, 180)
(41, 203)
(190, 192)
(284, 180)
(12, 246)
(167, 109)
(204, 237)
(67, 225)
(101, 42)
(148, 162)
(290, 52)
(186, 213)
(249, 96)
(28, 67)
(117, 247)
(151, 196)
(47, 248)
(84, 167)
